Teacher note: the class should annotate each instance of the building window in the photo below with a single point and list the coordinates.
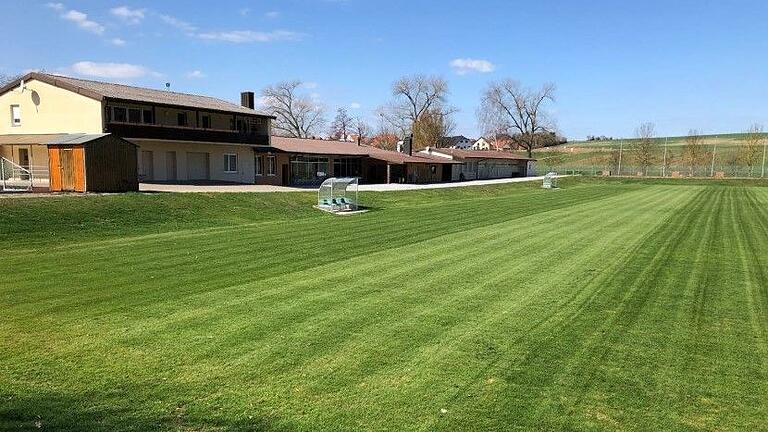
(181, 119)
(206, 122)
(270, 165)
(134, 115)
(148, 117)
(15, 115)
(259, 167)
(119, 114)
(230, 163)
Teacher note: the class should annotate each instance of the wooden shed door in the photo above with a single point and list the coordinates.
(67, 166)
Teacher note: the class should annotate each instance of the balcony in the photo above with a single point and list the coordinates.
(180, 133)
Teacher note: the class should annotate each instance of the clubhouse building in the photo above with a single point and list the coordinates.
(68, 134)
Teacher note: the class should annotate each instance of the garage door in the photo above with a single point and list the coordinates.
(197, 166)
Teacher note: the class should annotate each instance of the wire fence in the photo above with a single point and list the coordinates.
(663, 160)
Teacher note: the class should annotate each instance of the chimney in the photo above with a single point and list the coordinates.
(248, 99)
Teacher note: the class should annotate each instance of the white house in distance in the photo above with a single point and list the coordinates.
(456, 142)
(481, 144)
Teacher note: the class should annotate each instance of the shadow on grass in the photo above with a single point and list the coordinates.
(95, 412)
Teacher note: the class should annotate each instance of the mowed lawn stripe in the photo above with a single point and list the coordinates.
(242, 255)
(591, 221)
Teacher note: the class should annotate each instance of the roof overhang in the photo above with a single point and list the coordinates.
(48, 79)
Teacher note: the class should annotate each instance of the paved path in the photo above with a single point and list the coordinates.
(151, 187)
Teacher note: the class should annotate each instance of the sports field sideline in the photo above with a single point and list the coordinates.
(605, 305)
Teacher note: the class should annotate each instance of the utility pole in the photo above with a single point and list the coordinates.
(664, 164)
(621, 147)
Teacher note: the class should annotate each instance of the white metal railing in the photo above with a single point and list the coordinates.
(15, 178)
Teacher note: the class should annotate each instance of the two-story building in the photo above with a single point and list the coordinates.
(178, 137)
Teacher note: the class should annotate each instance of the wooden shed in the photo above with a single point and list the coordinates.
(92, 163)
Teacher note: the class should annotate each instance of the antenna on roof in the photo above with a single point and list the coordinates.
(168, 86)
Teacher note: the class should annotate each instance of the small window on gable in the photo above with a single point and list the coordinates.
(119, 114)
(181, 119)
(15, 115)
(206, 122)
(147, 117)
(134, 115)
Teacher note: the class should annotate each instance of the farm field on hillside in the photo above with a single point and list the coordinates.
(594, 156)
(605, 305)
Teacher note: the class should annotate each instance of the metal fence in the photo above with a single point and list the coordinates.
(718, 161)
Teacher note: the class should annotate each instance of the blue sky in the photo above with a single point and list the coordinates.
(680, 64)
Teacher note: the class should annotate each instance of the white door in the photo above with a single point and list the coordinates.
(197, 166)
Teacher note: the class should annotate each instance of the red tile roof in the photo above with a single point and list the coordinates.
(343, 148)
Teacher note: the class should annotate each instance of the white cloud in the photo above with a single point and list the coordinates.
(309, 85)
(131, 16)
(463, 66)
(272, 14)
(248, 36)
(355, 105)
(196, 74)
(56, 6)
(111, 70)
(117, 42)
(82, 21)
(179, 24)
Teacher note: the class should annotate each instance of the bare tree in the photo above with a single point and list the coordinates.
(342, 125)
(416, 96)
(431, 126)
(7, 79)
(752, 149)
(508, 107)
(693, 150)
(298, 116)
(361, 129)
(644, 147)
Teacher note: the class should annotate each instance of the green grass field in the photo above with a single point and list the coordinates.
(605, 305)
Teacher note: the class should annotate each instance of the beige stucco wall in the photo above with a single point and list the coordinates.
(48, 109)
(216, 152)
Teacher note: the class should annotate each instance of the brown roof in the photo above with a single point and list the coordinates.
(99, 90)
(50, 139)
(343, 148)
(28, 138)
(478, 154)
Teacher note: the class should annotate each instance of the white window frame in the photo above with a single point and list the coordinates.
(259, 166)
(15, 119)
(271, 166)
(227, 166)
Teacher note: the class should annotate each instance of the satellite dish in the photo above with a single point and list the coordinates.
(168, 86)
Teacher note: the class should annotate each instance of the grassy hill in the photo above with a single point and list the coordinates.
(595, 156)
(604, 305)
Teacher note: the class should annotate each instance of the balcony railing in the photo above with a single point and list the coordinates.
(180, 133)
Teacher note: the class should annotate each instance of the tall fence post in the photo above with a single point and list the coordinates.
(712, 169)
(2, 171)
(664, 163)
(621, 148)
(762, 173)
